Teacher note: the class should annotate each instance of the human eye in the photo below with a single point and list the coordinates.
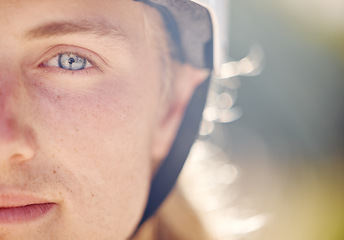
(68, 61)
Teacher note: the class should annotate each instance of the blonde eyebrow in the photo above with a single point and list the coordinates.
(100, 28)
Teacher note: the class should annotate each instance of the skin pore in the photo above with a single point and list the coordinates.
(86, 140)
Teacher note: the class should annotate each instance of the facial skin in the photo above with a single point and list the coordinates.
(87, 140)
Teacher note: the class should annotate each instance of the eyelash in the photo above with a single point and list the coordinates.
(68, 61)
(86, 70)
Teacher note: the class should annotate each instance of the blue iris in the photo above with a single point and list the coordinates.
(71, 61)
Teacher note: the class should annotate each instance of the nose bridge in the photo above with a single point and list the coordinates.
(9, 104)
(15, 133)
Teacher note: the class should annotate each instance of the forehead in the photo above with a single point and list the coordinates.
(67, 6)
(17, 16)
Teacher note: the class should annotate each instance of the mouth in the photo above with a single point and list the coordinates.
(24, 210)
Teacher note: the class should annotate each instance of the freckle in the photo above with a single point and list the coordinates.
(54, 172)
(92, 195)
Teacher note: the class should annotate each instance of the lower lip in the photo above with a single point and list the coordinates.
(24, 213)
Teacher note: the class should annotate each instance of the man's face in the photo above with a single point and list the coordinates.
(80, 139)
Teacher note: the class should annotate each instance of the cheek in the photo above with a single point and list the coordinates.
(112, 112)
(102, 136)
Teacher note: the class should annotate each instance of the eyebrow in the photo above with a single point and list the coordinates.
(100, 28)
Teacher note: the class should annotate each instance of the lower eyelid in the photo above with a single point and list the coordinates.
(56, 74)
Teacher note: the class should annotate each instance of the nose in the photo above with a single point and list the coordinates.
(15, 144)
(16, 137)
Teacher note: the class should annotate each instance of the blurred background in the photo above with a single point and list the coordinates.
(269, 163)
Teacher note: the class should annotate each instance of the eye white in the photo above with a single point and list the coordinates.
(68, 61)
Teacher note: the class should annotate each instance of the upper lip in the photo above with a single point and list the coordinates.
(19, 199)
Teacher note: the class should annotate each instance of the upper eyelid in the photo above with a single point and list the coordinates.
(92, 57)
(75, 53)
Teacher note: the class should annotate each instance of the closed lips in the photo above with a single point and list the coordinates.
(24, 213)
(16, 208)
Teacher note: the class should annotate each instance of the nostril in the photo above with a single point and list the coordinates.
(18, 157)
(16, 151)
(18, 144)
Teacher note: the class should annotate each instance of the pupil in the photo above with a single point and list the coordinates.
(71, 60)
